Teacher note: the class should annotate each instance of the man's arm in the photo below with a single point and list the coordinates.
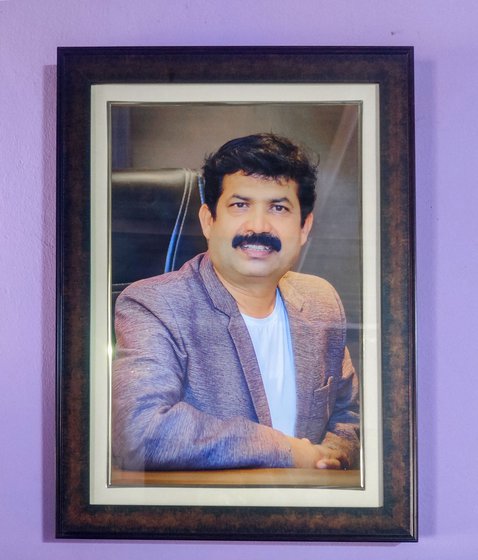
(340, 446)
(333, 416)
(342, 441)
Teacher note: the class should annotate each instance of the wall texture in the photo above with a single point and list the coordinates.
(444, 35)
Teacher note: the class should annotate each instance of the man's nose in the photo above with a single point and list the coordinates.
(258, 221)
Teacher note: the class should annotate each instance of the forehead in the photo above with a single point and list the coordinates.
(257, 186)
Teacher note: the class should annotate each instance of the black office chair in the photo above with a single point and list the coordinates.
(154, 223)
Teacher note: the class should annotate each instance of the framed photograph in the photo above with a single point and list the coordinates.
(158, 441)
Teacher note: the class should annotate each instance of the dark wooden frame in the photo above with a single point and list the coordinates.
(392, 69)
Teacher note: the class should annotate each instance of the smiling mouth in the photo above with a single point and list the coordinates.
(255, 251)
(257, 245)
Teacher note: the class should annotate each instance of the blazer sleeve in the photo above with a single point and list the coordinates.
(343, 427)
(153, 428)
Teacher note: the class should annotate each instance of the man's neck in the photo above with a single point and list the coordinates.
(256, 300)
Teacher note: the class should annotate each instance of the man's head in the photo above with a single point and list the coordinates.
(261, 155)
(260, 192)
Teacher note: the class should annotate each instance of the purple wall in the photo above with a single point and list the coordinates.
(446, 48)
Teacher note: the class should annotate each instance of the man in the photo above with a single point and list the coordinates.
(234, 361)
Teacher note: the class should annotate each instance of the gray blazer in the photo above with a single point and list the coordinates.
(187, 390)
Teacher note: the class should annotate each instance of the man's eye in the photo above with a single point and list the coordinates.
(279, 208)
(239, 204)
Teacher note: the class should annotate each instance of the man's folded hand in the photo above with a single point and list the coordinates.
(306, 455)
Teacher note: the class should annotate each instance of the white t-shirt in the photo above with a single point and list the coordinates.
(273, 346)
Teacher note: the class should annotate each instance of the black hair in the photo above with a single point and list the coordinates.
(265, 155)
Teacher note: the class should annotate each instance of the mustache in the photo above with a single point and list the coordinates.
(266, 239)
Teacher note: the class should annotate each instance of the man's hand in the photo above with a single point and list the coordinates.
(309, 456)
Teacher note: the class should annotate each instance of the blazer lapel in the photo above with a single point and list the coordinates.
(309, 369)
(224, 302)
(252, 373)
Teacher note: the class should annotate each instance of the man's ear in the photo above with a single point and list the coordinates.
(309, 220)
(206, 219)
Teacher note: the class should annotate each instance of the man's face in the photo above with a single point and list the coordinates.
(257, 234)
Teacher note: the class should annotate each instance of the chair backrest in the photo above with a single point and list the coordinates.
(154, 223)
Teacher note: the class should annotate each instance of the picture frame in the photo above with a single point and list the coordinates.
(373, 83)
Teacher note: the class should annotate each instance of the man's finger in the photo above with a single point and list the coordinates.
(328, 464)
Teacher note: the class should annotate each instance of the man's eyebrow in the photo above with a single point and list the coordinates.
(282, 199)
(272, 200)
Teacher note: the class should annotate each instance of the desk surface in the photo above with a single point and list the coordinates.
(239, 477)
